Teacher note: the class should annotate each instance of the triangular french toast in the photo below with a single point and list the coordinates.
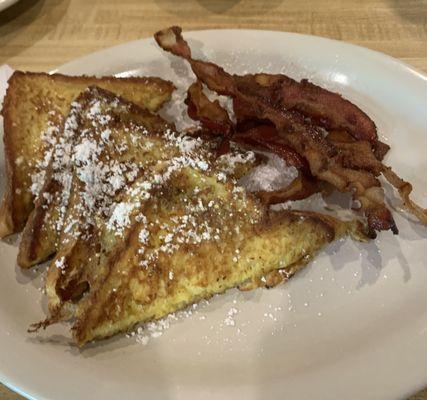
(175, 231)
(100, 190)
(89, 115)
(33, 111)
(162, 266)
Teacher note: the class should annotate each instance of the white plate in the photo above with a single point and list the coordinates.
(6, 4)
(353, 324)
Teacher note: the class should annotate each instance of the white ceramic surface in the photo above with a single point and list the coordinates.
(6, 4)
(352, 325)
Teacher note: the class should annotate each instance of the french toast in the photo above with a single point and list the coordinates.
(33, 111)
(179, 230)
(42, 233)
(135, 287)
(135, 146)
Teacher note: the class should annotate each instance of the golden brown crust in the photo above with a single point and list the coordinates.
(27, 103)
(8, 218)
(7, 225)
(38, 241)
(100, 308)
(39, 237)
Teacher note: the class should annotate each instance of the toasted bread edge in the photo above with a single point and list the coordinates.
(11, 221)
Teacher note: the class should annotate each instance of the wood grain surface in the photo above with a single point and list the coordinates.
(39, 35)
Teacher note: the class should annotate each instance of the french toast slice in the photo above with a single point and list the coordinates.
(164, 265)
(136, 135)
(33, 111)
(180, 231)
(99, 126)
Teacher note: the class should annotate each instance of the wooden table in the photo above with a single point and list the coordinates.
(39, 35)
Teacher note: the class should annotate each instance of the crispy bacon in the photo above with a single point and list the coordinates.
(209, 113)
(300, 188)
(216, 79)
(265, 137)
(357, 155)
(354, 154)
(336, 163)
(216, 120)
(404, 189)
(380, 149)
(326, 109)
(379, 219)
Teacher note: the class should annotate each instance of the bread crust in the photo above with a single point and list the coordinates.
(26, 106)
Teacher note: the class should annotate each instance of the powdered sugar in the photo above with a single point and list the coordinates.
(273, 175)
(143, 236)
(230, 160)
(49, 139)
(94, 166)
(154, 329)
(229, 320)
(120, 218)
(60, 264)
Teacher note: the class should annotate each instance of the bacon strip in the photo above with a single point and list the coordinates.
(325, 108)
(216, 120)
(209, 113)
(354, 154)
(404, 189)
(265, 137)
(300, 188)
(329, 162)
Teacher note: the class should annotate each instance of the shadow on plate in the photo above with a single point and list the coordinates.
(25, 276)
